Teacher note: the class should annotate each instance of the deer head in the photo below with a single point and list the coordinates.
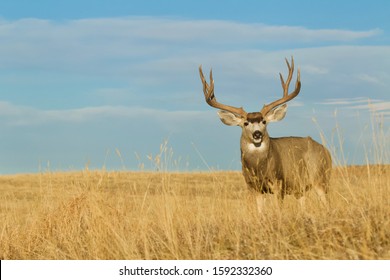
(254, 125)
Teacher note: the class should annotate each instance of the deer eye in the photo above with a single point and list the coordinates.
(264, 122)
(246, 123)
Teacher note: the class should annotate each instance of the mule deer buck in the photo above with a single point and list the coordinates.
(286, 165)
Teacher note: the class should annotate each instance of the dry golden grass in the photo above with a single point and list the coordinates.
(162, 215)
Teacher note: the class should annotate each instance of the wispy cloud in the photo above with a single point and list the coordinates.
(88, 39)
(147, 52)
(371, 79)
(346, 101)
(374, 106)
(15, 115)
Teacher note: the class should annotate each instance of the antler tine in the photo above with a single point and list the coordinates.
(208, 91)
(285, 85)
(289, 77)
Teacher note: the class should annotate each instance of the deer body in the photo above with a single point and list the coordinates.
(286, 165)
(270, 170)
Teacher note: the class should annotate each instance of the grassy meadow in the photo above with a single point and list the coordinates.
(211, 215)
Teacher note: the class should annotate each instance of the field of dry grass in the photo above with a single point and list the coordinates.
(162, 215)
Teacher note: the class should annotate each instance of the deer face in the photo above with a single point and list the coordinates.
(254, 125)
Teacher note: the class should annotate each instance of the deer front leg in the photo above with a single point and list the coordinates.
(260, 201)
(322, 196)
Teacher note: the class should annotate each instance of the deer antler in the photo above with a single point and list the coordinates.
(208, 91)
(286, 96)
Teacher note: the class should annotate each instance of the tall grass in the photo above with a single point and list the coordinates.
(211, 215)
(120, 215)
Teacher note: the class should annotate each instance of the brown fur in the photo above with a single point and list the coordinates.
(254, 117)
(290, 165)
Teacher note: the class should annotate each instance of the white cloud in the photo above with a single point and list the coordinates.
(374, 106)
(315, 70)
(45, 43)
(345, 101)
(15, 115)
(145, 54)
(370, 79)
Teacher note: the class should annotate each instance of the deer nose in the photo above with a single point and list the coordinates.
(257, 134)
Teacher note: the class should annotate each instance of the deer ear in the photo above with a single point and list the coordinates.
(229, 118)
(277, 114)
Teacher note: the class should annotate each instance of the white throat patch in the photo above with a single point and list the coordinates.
(252, 148)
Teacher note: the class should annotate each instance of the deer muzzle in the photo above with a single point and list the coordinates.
(257, 136)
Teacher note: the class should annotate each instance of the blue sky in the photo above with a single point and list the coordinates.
(82, 82)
